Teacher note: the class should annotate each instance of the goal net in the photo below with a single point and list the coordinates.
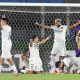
(22, 17)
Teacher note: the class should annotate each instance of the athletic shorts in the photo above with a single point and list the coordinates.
(6, 51)
(59, 48)
(35, 64)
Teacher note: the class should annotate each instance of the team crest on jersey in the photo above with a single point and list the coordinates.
(60, 29)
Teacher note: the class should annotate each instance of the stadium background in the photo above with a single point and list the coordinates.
(43, 1)
(23, 28)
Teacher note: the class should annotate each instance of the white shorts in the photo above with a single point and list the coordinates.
(59, 48)
(35, 65)
(76, 66)
(6, 51)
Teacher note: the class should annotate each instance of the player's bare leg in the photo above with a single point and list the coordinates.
(1, 63)
(30, 72)
(1, 60)
(13, 66)
(78, 71)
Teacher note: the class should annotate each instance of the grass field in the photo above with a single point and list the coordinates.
(40, 77)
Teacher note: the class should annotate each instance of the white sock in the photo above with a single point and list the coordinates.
(53, 67)
(78, 72)
(14, 68)
(0, 68)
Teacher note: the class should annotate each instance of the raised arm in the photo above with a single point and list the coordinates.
(42, 25)
(44, 40)
(74, 25)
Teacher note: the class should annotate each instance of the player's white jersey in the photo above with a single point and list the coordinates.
(70, 61)
(35, 62)
(6, 34)
(25, 64)
(34, 51)
(60, 33)
(6, 42)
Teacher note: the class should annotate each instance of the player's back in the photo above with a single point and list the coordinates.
(75, 60)
(67, 61)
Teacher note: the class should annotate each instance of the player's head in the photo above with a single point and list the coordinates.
(25, 54)
(59, 64)
(58, 22)
(35, 39)
(4, 21)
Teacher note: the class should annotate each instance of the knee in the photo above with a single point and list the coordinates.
(1, 60)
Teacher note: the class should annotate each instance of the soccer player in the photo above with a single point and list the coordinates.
(78, 44)
(71, 64)
(25, 61)
(59, 46)
(35, 63)
(6, 45)
(77, 29)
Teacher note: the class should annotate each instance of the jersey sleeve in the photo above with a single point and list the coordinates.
(66, 26)
(52, 27)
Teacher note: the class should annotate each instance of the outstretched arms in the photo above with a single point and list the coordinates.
(42, 25)
(74, 25)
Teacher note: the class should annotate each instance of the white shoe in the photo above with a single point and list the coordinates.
(78, 72)
(23, 71)
(15, 73)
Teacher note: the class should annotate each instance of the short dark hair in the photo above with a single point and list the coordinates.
(5, 19)
(33, 37)
(57, 64)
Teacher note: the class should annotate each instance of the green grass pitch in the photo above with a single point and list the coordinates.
(8, 76)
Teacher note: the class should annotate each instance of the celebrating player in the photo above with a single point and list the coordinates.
(35, 63)
(59, 46)
(71, 64)
(25, 61)
(6, 45)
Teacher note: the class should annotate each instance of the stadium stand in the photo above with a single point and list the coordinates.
(35, 1)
